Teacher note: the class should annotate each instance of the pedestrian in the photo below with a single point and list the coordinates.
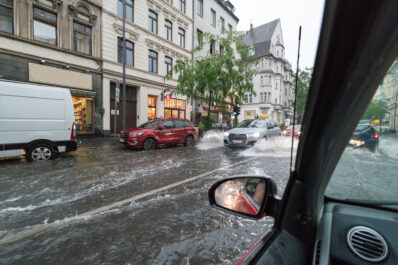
(229, 125)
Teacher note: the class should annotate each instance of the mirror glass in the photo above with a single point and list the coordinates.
(243, 195)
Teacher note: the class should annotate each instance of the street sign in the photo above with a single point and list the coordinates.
(167, 97)
(117, 94)
(117, 84)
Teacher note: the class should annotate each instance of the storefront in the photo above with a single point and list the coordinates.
(84, 114)
(152, 107)
(174, 108)
(219, 115)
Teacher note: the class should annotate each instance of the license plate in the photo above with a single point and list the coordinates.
(237, 141)
(121, 140)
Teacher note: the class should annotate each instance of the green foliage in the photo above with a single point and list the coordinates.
(303, 85)
(201, 126)
(376, 110)
(220, 77)
(208, 122)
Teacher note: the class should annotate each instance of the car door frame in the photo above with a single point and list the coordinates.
(166, 136)
(350, 64)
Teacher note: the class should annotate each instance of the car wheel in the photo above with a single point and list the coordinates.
(149, 144)
(189, 141)
(41, 151)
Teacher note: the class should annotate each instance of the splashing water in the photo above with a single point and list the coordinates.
(279, 146)
(211, 139)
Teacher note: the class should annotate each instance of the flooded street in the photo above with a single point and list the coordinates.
(45, 208)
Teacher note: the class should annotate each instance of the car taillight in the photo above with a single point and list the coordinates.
(73, 133)
(375, 136)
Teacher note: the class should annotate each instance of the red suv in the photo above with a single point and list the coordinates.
(159, 132)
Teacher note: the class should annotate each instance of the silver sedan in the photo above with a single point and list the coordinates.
(250, 131)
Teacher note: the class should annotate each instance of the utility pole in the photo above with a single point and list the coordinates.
(124, 65)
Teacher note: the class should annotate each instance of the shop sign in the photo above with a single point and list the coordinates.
(218, 110)
(263, 116)
(167, 97)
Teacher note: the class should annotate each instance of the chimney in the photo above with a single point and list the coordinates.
(251, 27)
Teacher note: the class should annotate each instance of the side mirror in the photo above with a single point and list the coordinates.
(246, 196)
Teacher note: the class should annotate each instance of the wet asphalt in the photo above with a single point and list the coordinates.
(173, 226)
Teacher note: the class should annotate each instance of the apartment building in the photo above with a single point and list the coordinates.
(158, 33)
(273, 83)
(212, 16)
(58, 43)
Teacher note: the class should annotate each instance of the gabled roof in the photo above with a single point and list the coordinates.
(260, 38)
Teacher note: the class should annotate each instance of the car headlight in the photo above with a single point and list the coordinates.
(136, 134)
(226, 134)
(255, 135)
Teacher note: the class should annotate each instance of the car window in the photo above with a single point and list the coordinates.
(150, 124)
(244, 124)
(168, 125)
(187, 124)
(368, 168)
(178, 124)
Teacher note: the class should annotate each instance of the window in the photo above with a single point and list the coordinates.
(222, 23)
(199, 37)
(6, 16)
(200, 8)
(153, 62)
(250, 98)
(230, 27)
(213, 17)
(169, 64)
(174, 108)
(168, 125)
(151, 107)
(170, 2)
(82, 38)
(261, 97)
(269, 96)
(44, 26)
(221, 48)
(212, 46)
(276, 101)
(262, 80)
(169, 30)
(285, 91)
(84, 114)
(179, 124)
(182, 6)
(181, 37)
(276, 85)
(153, 22)
(129, 51)
(280, 99)
(129, 9)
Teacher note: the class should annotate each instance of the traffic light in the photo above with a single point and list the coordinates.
(236, 110)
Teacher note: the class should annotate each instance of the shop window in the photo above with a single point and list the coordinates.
(84, 114)
(151, 107)
(82, 38)
(129, 9)
(174, 108)
(44, 26)
(6, 16)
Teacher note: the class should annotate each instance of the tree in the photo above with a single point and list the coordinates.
(222, 77)
(376, 110)
(303, 85)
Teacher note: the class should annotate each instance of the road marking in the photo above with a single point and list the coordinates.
(41, 227)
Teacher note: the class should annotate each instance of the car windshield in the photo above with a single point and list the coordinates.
(150, 124)
(252, 124)
(368, 169)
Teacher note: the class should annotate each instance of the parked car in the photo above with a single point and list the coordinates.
(289, 130)
(159, 132)
(365, 136)
(35, 120)
(354, 220)
(249, 132)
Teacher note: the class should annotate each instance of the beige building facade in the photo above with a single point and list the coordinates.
(158, 33)
(57, 43)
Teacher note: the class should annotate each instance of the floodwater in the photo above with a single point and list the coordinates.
(172, 226)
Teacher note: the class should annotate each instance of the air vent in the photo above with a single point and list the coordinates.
(317, 252)
(367, 244)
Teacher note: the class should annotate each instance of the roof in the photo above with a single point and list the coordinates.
(226, 6)
(260, 38)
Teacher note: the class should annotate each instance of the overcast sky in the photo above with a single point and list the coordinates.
(307, 13)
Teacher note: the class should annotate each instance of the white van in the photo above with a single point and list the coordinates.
(35, 120)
